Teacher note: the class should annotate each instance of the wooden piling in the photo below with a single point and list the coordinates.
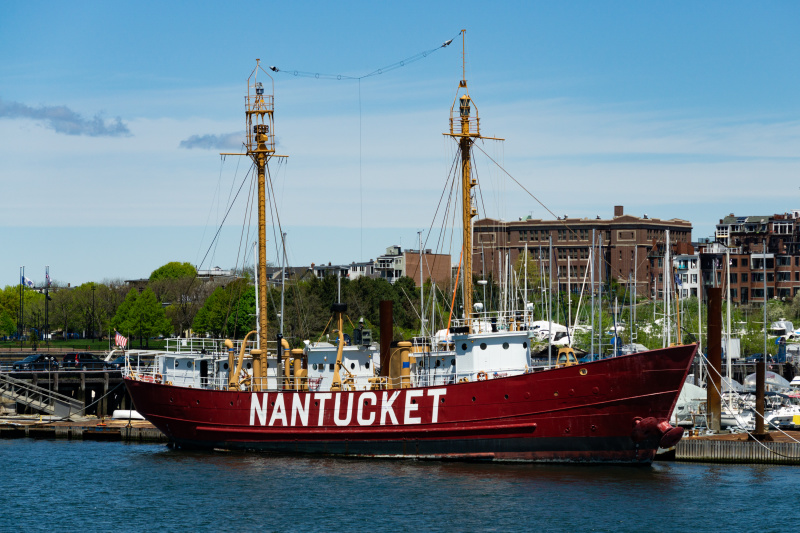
(714, 387)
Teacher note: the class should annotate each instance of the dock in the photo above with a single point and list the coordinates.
(89, 429)
(783, 448)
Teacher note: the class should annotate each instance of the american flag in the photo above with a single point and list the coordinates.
(120, 340)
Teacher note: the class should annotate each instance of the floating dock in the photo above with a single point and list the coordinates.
(783, 448)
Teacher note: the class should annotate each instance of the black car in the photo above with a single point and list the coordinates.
(82, 361)
(37, 361)
(119, 362)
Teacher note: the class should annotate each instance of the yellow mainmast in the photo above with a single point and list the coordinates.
(470, 129)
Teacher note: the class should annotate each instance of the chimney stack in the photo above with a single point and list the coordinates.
(618, 211)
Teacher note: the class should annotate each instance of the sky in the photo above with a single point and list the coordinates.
(113, 115)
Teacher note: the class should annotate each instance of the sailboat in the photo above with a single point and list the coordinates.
(470, 395)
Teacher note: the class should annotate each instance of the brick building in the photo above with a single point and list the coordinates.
(760, 247)
(396, 263)
(629, 246)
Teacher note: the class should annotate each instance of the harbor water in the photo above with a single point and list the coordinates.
(114, 486)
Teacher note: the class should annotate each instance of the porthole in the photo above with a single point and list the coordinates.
(170, 400)
(414, 401)
(366, 365)
(231, 404)
(188, 364)
(464, 346)
(483, 346)
(524, 344)
(177, 363)
(442, 400)
(506, 396)
(438, 363)
(505, 346)
(473, 398)
(452, 362)
(331, 367)
(249, 366)
(197, 402)
(225, 366)
(352, 366)
(314, 366)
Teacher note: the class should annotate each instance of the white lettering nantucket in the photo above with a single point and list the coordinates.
(436, 393)
(362, 400)
(411, 406)
(299, 410)
(337, 408)
(278, 411)
(386, 407)
(322, 396)
(258, 409)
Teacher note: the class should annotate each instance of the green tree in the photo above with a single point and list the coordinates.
(228, 311)
(63, 312)
(142, 316)
(173, 270)
(7, 323)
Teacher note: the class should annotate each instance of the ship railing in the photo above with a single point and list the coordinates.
(201, 345)
(493, 321)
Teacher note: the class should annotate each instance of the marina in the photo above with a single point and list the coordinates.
(349, 266)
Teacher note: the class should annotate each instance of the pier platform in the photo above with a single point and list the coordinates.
(738, 448)
(88, 429)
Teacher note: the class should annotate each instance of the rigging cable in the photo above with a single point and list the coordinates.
(240, 286)
(376, 72)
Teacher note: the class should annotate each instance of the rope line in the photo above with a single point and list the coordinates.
(376, 72)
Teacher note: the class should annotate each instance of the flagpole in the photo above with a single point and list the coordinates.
(22, 306)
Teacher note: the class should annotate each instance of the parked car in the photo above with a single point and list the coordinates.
(759, 358)
(119, 362)
(82, 361)
(37, 361)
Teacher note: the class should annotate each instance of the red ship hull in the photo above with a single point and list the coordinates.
(614, 410)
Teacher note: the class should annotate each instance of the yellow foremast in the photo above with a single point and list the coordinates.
(260, 145)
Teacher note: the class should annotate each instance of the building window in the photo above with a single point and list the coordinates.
(733, 293)
(734, 262)
(744, 277)
(733, 277)
(784, 276)
(784, 260)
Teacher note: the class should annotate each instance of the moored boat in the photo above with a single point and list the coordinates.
(473, 394)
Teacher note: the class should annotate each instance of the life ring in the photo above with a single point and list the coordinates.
(159, 378)
(482, 376)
